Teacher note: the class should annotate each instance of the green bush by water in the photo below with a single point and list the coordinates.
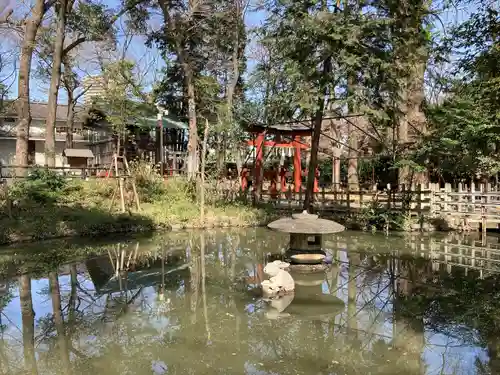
(46, 205)
(149, 183)
(376, 217)
(40, 186)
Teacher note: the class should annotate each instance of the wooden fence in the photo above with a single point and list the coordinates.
(461, 204)
(7, 172)
(458, 205)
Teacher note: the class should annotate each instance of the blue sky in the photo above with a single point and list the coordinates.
(148, 60)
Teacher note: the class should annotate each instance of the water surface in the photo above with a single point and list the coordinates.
(188, 303)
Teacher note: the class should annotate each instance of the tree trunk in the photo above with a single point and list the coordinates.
(202, 188)
(55, 80)
(415, 115)
(221, 153)
(70, 121)
(402, 140)
(318, 122)
(235, 73)
(55, 292)
(23, 86)
(336, 168)
(239, 162)
(73, 295)
(192, 162)
(352, 162)
(409, 50)
(28, 322)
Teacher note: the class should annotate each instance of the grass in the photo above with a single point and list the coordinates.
(42, 209)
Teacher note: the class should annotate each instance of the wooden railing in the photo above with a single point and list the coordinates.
(475, 203)
(7, 172)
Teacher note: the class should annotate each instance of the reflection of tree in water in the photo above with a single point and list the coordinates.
(211, 326)
(460, 305)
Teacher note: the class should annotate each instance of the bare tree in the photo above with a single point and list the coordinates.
(30, 28)
(94, 24)
(62, 8)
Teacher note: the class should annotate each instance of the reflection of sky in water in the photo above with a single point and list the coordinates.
(374, 320)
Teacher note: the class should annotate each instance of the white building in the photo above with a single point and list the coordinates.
(94, 87)
(36, 143)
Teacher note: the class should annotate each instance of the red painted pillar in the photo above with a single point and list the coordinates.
(316, 176)
(244, 178)
(259, 143)
(283, 173)
(297, 167)
(272, 188)
(273, 182)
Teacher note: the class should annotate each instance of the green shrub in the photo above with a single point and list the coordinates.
(377, 217)
(149, 183)
(40, 186)
(51, 179)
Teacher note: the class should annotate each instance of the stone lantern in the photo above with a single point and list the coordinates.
(306, 232)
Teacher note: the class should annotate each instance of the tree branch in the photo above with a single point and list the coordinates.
(82, 93)
(49, 4)
(115, 18)
(5, 17)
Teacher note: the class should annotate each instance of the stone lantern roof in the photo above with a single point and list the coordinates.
(305, 223)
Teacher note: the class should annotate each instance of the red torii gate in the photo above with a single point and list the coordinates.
(292, 131)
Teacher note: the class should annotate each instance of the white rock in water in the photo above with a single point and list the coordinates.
(280, 281)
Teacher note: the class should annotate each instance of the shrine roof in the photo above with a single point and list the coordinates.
(283, 128)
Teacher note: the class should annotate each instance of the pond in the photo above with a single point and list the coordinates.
(189, 302)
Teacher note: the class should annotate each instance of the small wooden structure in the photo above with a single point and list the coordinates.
(78, 157)
(171, 135)
(286, 135)
(306, 232)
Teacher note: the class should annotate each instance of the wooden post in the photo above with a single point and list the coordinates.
(388, 196)
(419, 199)
(134, 188)
(432, 198)
(402, 190)
(120, 183)
(487, 192)
(461, 191)
(472, 197)
(447, 198)
(483, 222)
(297, 166)
(257, 180)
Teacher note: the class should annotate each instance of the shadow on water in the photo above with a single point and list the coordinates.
(188, 302)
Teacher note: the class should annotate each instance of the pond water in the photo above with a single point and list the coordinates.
(182, 303)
